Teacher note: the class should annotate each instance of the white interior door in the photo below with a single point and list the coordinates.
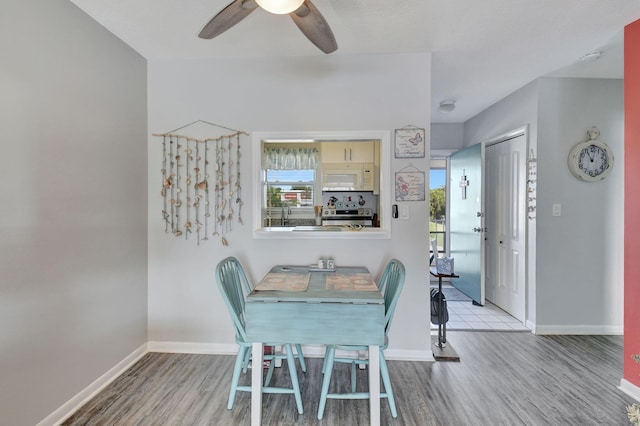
(505, 238)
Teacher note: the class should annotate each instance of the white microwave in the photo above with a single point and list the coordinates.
(348, 177)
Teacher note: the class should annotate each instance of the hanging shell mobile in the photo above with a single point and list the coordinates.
(185, 185)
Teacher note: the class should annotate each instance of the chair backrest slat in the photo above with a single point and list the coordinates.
(232, 283)
(392, 281)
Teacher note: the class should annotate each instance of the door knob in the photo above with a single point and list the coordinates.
(477, 229)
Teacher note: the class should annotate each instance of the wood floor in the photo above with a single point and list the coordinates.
(503, 379)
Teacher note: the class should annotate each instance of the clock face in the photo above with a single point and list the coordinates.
(590, 160)
(593, 160)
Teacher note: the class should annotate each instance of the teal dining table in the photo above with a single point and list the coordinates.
(300, 304)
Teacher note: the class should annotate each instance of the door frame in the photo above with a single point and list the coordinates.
(530, 223)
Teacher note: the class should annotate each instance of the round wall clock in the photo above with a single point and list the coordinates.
(590, 160)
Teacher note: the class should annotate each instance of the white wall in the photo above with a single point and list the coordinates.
(576, 283)
(323, 93)
(73, 211)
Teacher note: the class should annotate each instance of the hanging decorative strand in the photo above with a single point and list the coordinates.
(178, 189)
(186, 163)
(172, 200)
(223, 197)
(238, 195)
(218, 171)
(188, 158)
(229, 191)
(206, 190)
(165, 185)
(196, 192)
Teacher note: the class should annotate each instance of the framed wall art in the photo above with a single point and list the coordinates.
(410, 186)
(409, 142)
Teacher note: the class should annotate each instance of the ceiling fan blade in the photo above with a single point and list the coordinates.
(235, 12)
(313, 25)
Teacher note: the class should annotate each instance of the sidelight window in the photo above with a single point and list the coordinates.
(438, 204)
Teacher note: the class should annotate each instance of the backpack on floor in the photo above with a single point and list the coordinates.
(436, 296)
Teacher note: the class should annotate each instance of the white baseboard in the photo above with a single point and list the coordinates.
(409, 355)
(317, 351)
(93, 389)
(531, 326)
(630, 389)
(193, 348)
(311, 351)
(579, 329)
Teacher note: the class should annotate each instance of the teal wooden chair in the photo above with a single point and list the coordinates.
(235, 271)
(392, 281)
(230, 278)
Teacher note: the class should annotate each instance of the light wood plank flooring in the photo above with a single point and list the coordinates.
(503, 379)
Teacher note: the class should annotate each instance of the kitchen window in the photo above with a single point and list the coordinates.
(289, 188)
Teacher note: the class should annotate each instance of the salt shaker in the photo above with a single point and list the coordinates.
(331, 264)
(321, 263)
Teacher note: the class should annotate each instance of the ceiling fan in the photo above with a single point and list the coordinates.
(305, 15)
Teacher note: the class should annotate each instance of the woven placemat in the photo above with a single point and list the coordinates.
(286, 281)
(357, 282)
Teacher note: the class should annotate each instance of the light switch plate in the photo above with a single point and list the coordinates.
(556, 210)
(404, 212)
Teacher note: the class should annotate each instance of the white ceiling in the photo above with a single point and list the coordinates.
(482, 50)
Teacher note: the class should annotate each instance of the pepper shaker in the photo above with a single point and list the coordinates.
(331, 264)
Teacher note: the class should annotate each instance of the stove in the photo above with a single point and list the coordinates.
(336, 217)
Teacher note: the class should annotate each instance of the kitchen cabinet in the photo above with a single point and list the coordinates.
(348, 152)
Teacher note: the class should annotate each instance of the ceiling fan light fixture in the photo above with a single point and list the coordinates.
(447, 106)
(280, 7)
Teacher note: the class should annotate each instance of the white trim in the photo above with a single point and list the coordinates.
(317, 351)
(94, 388)
(385, 191)
(519, 131)
(193, 348)
(630, 389)
(409, 355)
(580, 329)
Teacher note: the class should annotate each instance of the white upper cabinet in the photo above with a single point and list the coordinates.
(348, 152)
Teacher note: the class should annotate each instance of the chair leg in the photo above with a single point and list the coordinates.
(272, 365)
(353, 377)
(294, 377)
(327, 368)
(384, 372)
(236, 375)
(247, 360)
(303, 365)
(324, 362)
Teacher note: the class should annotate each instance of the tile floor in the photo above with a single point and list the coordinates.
(464, 315)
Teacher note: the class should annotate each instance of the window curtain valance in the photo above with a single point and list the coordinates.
(289, 158)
